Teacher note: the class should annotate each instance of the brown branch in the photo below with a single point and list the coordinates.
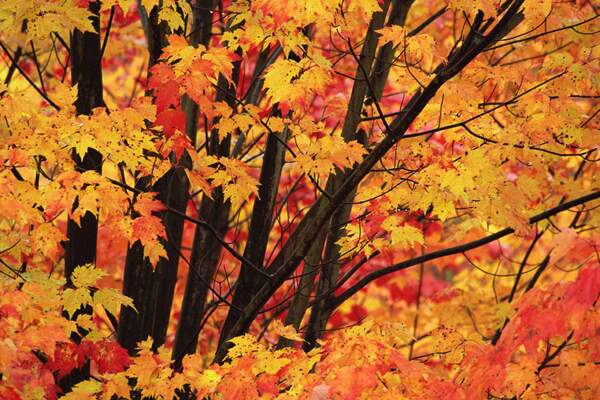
(337, 301)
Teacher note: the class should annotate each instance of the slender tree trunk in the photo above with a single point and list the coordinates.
(86, 73)
(80, 247)
(206, 249)
(260, 226)
(312, 265)
(152, 290)
(320, 313)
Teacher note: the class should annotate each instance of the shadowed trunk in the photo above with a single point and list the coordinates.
(80, 246)
(152, 290)
(86, 73)
(378, 76)
(206, 249)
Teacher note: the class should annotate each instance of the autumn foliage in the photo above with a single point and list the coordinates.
(322, 199)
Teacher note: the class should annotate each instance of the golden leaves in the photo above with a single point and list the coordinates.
(402, 235)
(415, 50)
(448, 343)
(536, 12)
(84, 278)
(73, 299)
(471, 7)
(287, 331)
(42, 17)
(295, 82)
(321, 156)
(194, 70)
(148, 228)
(236, 180)
(173, 12)
(46, 239)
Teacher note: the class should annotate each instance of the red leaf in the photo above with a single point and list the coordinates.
(67, 357)
(171, 120)
(165, 87)
(178, 143)
(109, 356)
(267, 384)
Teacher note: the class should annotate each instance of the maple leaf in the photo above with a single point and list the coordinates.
(165, 87)
(146, 204)
(42, 18)
(109, 356)
(148, 230)
(287, 331)
(85, 390)
(86, 276)
(406, 235)
(178, 143)
(242, 345)
(536, 12)
(67, 356)
(73, 299)
(46, 238)
(112, 300)
(471, 7)
(117, 385)
(235, 179)
(171, 120)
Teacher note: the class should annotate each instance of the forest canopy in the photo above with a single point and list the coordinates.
(322, 199)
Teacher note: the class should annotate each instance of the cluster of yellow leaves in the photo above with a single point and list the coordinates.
(366, 361)
(38, 19)
(321, 156)
(296, 82)
(394, 233)
(41, 144)
(85, 278)
(32, 324)
(235, 179)
(120, 134)
(416, 50)
(173, 12)
(471, 7)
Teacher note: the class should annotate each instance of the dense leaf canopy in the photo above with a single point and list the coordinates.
(340, 199)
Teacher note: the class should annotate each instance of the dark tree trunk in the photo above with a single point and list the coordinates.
(206, 249)
(260, 227)
(80, 246)
(86, 73)
(152, 290)
(377, 76)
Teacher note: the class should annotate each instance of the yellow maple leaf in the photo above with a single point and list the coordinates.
(235, 180)
(86, 275)
(46, 239)
(116, 385)
(395, 34)
(73, 299)
(242, 345)
(403, 235)
(112, 300)
(471, 7)
(287, 331)
(85, 390)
